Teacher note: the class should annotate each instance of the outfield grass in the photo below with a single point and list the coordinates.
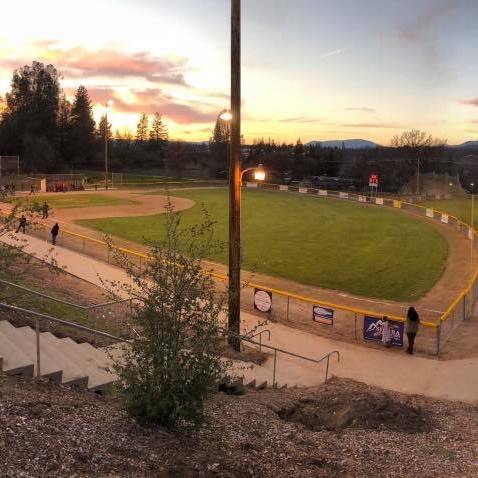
(374, 252)
(68, 200)
(459, 207)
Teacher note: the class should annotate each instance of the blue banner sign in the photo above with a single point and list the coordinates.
(323, 315)
(372, 330)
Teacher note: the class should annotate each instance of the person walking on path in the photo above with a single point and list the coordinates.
(22, 224)
(54, 233)
(45, 208)
(413, 322)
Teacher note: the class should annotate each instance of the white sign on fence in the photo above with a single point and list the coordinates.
(344, 195)
(283, 188)
(251, 185)
(444, 218)
(362, 199)
(303, 190)
(429, 212)
(322, 192)
(379, 201)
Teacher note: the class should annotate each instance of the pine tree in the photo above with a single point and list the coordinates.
(82, 128)
(104, 129)
(158, 135)
(142, 129)
(64, 127)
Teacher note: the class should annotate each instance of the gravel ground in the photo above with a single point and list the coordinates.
(341, 429)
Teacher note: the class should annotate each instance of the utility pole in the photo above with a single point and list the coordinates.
(234, 323)
(106, 150)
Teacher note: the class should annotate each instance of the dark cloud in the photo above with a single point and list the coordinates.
(361, 109)
(471, 101)
(368, 125)
(150, 101)
(79, 62)
(299, 119)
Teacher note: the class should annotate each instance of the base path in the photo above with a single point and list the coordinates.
(453, 379)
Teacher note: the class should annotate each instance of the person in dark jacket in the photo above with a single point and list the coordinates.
(54, 233)
(413, 322)
(22, 224)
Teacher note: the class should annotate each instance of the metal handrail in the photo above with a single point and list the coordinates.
(65, 302)
(292, 354)
(259, 334)
(39, 315)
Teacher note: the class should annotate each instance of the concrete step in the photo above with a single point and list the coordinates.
(73, 375)
(99, 380)
(14, 362)
(25, 338)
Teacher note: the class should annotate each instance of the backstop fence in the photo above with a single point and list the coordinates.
(313, 314)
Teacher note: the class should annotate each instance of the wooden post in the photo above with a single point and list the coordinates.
(106, 151)
(235, 181)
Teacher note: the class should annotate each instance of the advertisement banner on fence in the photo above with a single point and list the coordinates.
(362, 199)
(379, 201)
(444, 218)
(429, 212)
(262, 300)
(283, 187)
(344, 195)
(303, 190)
(251, 185)
(372, 330)
(322, 192)
(397, 204)
(323, 315)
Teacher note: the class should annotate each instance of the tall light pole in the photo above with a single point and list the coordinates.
(107, 105)
(472, 224)
(234, 322)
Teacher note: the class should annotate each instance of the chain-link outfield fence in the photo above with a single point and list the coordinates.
(311, 313)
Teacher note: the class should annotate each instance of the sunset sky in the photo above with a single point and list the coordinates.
(318, 69)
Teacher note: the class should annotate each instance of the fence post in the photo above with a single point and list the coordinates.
(274, 371)
(37, 330)
(327, 369)
(438, 338)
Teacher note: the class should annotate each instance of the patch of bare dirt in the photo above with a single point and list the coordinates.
(362, 409)
(55, 432)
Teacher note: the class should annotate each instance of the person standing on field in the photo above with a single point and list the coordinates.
(54, 233)
(45, 208)
(413, 322)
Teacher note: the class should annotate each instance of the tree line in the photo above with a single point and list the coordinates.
(52, 133)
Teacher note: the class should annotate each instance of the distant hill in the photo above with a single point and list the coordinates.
(469, 144)
(347, 143)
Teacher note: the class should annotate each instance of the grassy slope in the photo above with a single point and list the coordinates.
(328, 243)
(80, 200)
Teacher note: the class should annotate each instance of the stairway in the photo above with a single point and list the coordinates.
(64, 361)
(61, 360)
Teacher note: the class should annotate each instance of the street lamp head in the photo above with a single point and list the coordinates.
(450, 184)
(259, 173)
(226, 115)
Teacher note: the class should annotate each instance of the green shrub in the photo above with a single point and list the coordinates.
(174, 362)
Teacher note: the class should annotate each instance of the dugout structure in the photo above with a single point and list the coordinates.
(9, 166)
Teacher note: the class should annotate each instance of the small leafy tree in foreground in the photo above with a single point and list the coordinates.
(174, 360)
